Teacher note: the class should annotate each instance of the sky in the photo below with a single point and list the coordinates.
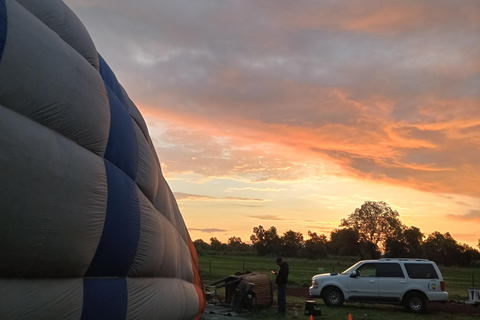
(294, 113)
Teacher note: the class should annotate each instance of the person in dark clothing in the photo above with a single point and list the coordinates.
(281, 280)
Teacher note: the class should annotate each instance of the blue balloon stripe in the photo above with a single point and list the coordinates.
(104, 299)
(122, 147)
(111, 80)
(118, 243)
(3, 27)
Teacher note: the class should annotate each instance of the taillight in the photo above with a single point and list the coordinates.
(442, 285)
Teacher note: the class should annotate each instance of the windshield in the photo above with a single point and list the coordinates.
(351, 268)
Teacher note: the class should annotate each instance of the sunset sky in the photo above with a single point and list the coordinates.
(294, 113)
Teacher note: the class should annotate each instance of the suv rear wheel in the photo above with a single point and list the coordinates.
(333, 297)
(415, 302)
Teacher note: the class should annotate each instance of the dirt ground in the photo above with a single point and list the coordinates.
(449, 307)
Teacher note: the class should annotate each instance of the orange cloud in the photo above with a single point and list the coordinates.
(180, 196)
(289, 94)
(384, 19)
(473, 215)
(267, 217)
(411, 154)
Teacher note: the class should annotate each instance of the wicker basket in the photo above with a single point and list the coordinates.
(262, 286)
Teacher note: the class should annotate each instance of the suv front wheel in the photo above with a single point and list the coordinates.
(333, 297)
(415, 302)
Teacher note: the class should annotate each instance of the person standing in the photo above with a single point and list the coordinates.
(281, 280)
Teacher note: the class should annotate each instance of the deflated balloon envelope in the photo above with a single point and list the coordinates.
(89, 228)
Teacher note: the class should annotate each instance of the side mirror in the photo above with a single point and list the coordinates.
(353, 274)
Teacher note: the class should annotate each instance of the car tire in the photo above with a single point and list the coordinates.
(333, 297)
(415, 302)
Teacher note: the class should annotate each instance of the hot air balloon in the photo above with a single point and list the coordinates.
(89, 228)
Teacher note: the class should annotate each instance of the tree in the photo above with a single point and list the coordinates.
(233, 241)
(266, 241)
(469, 255)
(315, 247)
(343, 242)
(414, 240)
(291, 243)
(216, 245)
(236, 244)
(201, 245)
(442, 248)
(375, 222)
(407, 245)
(395, 248)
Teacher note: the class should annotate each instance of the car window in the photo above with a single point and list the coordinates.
(367, 270)
(351, 268)
(392, 270)
(421, 271)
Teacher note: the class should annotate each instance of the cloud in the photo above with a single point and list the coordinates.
(208, 230)
(224, 155)
(472, 215)
(255, 189)
(180, 196)
(267, 217)
(255, 90)
(326, 230)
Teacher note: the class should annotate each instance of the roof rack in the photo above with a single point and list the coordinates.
(402, 259)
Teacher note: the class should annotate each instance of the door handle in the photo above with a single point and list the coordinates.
(371, 281)
(403, 282)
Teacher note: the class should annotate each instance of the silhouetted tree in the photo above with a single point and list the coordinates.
(315, 247)
(368, 250)
(396, 248)
(266, 241)
(343, 242)
(408, 244)
(442, 248)
(236, 244)
(375, 222)
(414, 239)
(201, 246)
(216, 245)
(291, 243)
(234, 240)
(468, 255)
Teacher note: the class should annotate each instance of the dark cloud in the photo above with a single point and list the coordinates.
(389, 92)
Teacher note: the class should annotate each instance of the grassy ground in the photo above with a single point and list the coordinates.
(457, 281)
(301, 270)
(364, 311)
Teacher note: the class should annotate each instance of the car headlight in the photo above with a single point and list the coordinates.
(314, 283)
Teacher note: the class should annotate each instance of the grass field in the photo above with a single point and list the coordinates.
(457, 282)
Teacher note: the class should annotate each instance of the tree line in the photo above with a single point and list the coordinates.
(370, 231)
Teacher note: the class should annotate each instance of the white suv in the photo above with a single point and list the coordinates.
(412, 282)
